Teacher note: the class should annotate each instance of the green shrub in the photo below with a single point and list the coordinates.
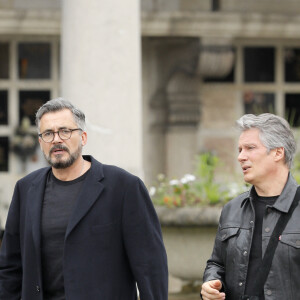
(200, 188)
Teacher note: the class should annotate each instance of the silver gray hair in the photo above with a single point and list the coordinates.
(59, 104)
(275, 132)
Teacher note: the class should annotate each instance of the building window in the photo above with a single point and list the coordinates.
(29, 103)
(292, 108)
(266, 76)
(215, 5)
(3, 108)
(292, 64)
(258, 103)
(259, 64)
(4, 59)
(34, 60)
(269, 80)
(4, 147)
(28, 78)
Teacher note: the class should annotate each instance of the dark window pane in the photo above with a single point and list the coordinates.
(292, 109)
(4, 147)
(259, 64)
(3, 108)
(257, 103)
(215, 5)
(34, 60)
(4, 59)
(30, 102)
(292, 65)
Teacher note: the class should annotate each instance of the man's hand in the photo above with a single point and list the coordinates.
(211, 290)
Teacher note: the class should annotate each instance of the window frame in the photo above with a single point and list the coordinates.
(279, 87)
(14, 84)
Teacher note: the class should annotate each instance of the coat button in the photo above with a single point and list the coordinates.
(38, 289)
(251, 222)
(269, 292)
(267, 229)
(245, 253)
(240, 284)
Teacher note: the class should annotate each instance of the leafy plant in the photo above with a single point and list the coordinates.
(296, 168)
(200, 188)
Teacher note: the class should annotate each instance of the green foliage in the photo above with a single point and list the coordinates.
(200, 188)
(296, 168)
(205, 170)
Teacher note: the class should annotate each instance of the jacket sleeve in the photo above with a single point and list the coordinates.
(144, 244)
(10, 254)
(215, 267)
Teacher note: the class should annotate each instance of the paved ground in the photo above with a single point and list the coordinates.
(184, 297)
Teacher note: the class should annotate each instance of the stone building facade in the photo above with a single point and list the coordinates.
(216, 60)
(160, 80)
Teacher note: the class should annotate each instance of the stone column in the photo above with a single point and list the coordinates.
(183, 118)
(101, 75)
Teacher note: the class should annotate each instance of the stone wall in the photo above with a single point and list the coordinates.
(240, 6)
(30, 4)
(219, 107)
(189, 235)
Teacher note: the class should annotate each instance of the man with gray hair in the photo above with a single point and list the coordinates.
(79, 229)
(257, 248)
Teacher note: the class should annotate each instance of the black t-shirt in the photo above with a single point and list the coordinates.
(59, 200)
(255, 258)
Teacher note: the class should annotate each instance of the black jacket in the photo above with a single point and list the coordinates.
(230, 257)
(113, 241)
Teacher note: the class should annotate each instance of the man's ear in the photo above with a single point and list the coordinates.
(279, 154)
(40, 143)
(83, 138)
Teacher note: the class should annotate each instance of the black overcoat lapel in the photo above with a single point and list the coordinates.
(35, 196)
(92, 188)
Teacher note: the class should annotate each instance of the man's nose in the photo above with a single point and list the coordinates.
(241, 156)
(56, 138)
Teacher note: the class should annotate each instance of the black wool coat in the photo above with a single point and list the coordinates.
(113, 240)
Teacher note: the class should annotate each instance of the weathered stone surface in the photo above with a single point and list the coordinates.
(188, 248)
(105, 44)
(188, 216)
(31, 22)
(229, 24)
(189, 234)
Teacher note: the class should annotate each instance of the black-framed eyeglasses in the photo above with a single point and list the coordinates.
(64, 134)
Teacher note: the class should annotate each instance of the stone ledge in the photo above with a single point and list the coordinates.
(30, 21)
(231, 25)
(189, 216)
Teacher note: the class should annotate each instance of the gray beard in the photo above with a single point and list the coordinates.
(63, 164)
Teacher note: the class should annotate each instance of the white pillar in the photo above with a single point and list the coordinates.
(101, 75)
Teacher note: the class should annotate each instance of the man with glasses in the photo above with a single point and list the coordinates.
(80, 229)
